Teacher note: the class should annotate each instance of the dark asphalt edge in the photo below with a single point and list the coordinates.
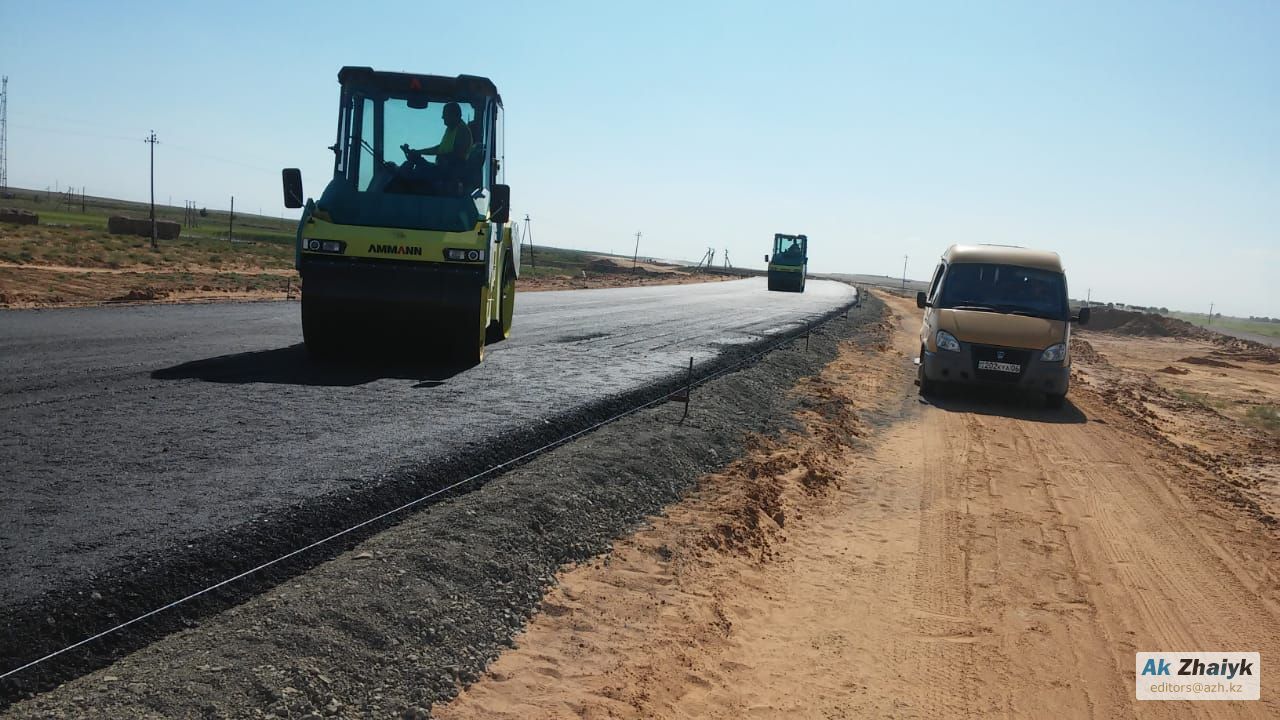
(76, 610)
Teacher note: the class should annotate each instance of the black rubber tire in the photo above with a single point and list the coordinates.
(319, 333)
(466, 338)
(500, 327)
(927, 386)
(773, 284)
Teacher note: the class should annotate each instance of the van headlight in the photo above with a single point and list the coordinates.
(947, 341)
(1054, 353)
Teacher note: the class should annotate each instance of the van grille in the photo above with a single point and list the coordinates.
(1003, 355)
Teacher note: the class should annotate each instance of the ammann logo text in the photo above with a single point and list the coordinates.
(395, 250)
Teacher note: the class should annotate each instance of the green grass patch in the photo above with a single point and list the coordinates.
(1231, 323)
(1200, 399)
(1266, 417)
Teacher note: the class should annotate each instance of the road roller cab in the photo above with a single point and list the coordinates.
(997, 315)
(790, 262)
(412, 233)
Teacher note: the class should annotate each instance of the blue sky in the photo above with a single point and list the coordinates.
(1140, 140)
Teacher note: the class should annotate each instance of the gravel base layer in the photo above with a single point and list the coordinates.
(406, 617)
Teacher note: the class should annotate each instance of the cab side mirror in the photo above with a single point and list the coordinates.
(921, 300)
(1083, 318)
(500, 204)
(766, 258)
(292, 178)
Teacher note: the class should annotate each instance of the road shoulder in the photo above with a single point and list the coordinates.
(402, 620)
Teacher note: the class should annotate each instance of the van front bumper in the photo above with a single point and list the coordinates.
(944, 366)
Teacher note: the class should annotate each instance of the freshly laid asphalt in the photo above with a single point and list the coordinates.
(131, 433)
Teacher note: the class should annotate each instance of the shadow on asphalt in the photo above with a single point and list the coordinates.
(292, 366)
(1005, 402)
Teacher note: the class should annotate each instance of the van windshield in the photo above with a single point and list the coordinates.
(1004, 288)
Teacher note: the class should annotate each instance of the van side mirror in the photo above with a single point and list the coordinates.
(921, 300)
(1083, 319)
(292, 178)
(500, 204)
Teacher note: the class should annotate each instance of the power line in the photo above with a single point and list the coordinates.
(54, 130)
(50, 130)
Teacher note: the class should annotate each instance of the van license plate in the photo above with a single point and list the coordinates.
(999, 366)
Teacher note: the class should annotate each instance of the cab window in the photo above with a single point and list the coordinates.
(937, 277)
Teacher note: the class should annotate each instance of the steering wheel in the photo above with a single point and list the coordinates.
(412, 157)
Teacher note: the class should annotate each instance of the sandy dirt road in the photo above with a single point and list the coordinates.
(963, 558)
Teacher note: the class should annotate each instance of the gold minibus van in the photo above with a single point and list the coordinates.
(997, 315)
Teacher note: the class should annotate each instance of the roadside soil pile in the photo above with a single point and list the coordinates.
(32, 286)
(1124, 322)
(65, 266)
(35, 286)
(1245, 350)
(1082, 350)
(1207, 361)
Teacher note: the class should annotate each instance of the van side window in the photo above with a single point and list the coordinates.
(937, 276)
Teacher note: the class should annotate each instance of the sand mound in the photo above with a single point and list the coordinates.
(1207, 361)
(614, 267)
(1082, 351)
(1244, 350)
(140, 295)
(1124, 322)
(1171, 370)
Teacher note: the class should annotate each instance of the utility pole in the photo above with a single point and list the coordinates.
(4, 133)
(904, 272)
(231, 220)
(635, 258)
(1088, 297)
(152, 142)
(528, 233)
(1210, 314)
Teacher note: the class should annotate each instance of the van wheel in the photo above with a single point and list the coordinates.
(927, 386)
(1054, 401)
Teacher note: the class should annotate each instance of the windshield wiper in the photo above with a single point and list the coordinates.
(1027, 313)
(980, 308)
